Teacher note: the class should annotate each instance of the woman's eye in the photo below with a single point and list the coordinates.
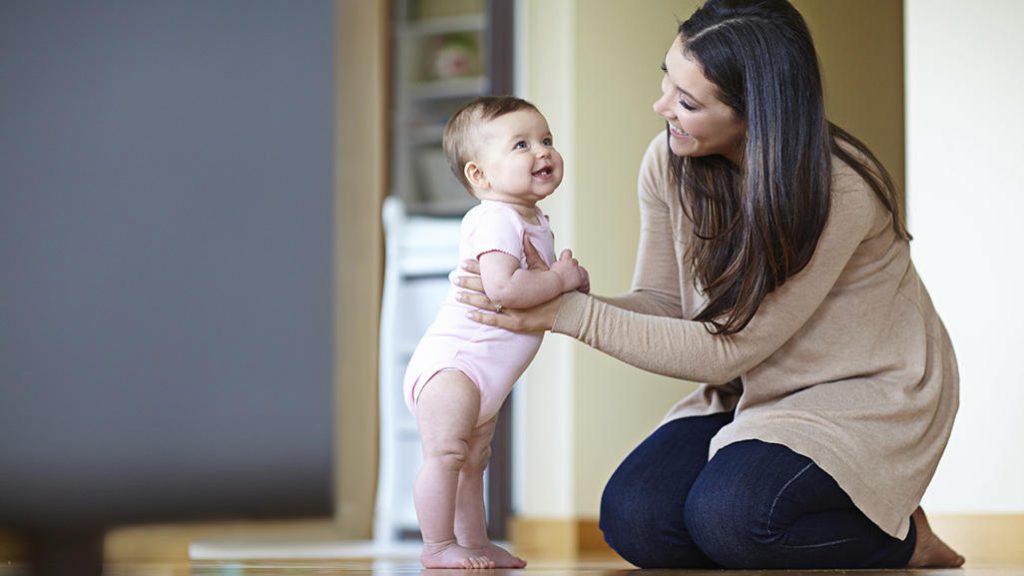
(519, 145)
(686, 106)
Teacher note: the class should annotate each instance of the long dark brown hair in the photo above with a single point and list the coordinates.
(757, 224)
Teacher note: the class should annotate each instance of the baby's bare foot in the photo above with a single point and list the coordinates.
(451, 555)
(930, 552)
(502, 558)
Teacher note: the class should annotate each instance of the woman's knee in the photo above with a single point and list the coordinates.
(724, 526)
(741, 508)
(644, 529)
(623, 507)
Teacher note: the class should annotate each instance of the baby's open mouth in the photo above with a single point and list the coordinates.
(546, 171)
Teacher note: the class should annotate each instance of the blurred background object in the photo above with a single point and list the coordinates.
(166, 246)
(192, 250)
(444, 53)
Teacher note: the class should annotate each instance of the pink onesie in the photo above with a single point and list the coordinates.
(493, 358)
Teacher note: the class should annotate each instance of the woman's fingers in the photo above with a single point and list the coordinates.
(471, 280)
(500, 320)
(476, 299)
(473, 283)
(485, 312)
(533, 259)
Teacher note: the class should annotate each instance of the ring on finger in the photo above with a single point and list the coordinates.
(497, 308)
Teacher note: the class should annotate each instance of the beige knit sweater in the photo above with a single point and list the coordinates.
(847, 363)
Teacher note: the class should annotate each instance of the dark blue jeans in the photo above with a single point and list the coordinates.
(755, 505)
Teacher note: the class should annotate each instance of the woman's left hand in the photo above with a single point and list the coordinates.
(537, 319)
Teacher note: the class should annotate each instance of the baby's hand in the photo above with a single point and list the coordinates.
(585, 286)
(570, 272)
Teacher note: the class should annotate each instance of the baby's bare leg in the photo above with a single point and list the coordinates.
(470, 519)
(446, 414)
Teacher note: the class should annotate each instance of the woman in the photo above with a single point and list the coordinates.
(774, 267)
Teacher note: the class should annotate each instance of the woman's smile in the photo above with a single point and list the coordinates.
(677, 132)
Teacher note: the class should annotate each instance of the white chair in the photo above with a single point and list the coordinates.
(420, 252)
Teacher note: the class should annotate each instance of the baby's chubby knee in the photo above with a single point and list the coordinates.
(450, 454)
(478, 459)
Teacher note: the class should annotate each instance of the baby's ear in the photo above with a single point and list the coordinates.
(475, 175)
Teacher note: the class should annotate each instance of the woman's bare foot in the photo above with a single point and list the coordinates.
(451, 555)
(502, 558)
(930, 552)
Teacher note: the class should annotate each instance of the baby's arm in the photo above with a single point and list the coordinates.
(507, 284)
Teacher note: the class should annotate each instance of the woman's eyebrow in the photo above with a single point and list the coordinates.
(691, 97)
(664, 69)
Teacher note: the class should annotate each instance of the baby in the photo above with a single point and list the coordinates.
(501, 150)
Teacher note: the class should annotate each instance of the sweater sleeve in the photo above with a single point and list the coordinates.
(685, 349)
(655, 288)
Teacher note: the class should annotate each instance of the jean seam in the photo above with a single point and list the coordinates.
(771, 514)
(771, 511)
(822, 545)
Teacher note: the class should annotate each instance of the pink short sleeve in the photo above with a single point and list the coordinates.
(497, 228)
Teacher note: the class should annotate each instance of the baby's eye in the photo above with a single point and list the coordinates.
(548, 141)
(519, 145)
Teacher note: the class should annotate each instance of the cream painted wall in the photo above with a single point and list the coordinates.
(860, 47)
(619, 51)
(965, 85)
(581, 412)
(593, 68)
(543, 464)
(359, 187)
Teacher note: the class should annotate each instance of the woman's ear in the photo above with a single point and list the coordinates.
(475, 176)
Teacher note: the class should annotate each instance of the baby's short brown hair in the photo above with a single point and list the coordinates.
(459, 140)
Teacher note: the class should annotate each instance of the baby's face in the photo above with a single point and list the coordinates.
(518, 159)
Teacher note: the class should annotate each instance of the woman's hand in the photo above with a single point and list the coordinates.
(537, 319)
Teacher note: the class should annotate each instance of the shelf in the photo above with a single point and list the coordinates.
(421, 135)
(467, 23)
(455, 88)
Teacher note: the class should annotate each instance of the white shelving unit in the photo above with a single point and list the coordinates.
(427, 95)
(423, 214)
(420, 252)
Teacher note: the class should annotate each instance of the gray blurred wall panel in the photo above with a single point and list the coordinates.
(165, 259)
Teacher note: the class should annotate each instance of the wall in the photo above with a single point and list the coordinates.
(360, 131)
(594, 68)
(165, 245)
(965, 85)
(860, 47)
(567, 448)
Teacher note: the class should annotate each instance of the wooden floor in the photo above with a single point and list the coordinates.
(573, 568)
(603, 566)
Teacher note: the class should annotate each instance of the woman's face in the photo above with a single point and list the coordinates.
(698, 123)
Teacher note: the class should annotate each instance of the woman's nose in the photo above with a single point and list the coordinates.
(661, 106)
